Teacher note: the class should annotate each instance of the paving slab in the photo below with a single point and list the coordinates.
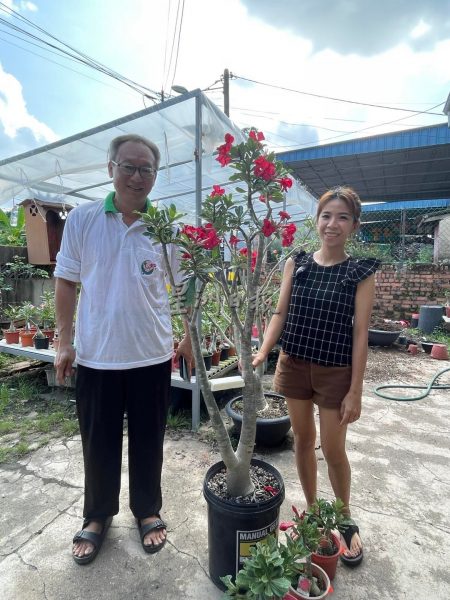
(400, 456)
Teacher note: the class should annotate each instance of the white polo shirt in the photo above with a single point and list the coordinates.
(123, 315)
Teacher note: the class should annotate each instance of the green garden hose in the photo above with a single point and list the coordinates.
(433, 385)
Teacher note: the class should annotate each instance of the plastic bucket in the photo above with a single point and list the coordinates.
(233, 528)
(430, 317)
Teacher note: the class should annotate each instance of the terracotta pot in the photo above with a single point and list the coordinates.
(439, 351)
(50, 333)
(11, 337)
(26, 338)
(215, 358)
(232, 351)
(413, 349)
(328, 562)
(321, 576)
(447, 311)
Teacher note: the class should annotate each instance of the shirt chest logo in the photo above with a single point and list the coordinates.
(147, 267)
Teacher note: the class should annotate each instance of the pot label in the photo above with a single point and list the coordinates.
(246, 539)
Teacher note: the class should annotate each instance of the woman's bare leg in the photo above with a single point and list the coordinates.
(332, 436)
(301, 413)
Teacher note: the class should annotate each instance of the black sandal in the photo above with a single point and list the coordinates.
(348, 530)
(144, 529)
(96, 539)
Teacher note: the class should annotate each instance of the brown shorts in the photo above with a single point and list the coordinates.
(296, 378)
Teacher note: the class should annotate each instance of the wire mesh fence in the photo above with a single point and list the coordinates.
(406, 236)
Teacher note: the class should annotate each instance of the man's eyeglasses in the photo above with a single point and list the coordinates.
(129, 170)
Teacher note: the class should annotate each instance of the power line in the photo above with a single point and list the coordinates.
(278, 87)
(73, 53)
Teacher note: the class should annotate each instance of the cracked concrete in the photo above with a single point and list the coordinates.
(399, 454)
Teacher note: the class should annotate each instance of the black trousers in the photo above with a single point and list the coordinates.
(102, 398)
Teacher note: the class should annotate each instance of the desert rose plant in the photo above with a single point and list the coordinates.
(246, 227)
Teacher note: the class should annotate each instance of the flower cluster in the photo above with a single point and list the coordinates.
(224, 156)
(205, 236)
(265, 169)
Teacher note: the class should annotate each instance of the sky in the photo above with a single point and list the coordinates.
(302, 71)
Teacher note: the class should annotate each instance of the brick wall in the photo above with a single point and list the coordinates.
(398, 293)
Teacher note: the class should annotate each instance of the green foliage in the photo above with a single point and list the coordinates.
(12, 235)
(27, 311)
(46, 311)
(262, 576)
(179, 420)
(19, 269)
(327, 515)
(13, 314)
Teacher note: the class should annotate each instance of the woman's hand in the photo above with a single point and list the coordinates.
(350, 407)
(258, 358)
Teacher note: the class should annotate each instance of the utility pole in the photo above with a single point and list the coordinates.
(226, 92)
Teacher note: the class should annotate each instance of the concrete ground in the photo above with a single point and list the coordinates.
(401, 482)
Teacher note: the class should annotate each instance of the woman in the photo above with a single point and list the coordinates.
(323, 314)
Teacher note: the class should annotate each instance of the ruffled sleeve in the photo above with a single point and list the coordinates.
(302, 262)
(360, 269)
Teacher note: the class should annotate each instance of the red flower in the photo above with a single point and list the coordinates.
(205, 236)
(285, 183)
(285, 525)
(234, 240)
(229, 139)
(287, 234)
(186, 255)
(264, 169)
(258, 136)
(270, 489)
(284, 215)
(223, 159)
(243, 251)
(268, 227)
(262, 198)
(217, 191)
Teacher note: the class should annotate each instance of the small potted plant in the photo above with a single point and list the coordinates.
(12, 333)
(263, 575)
(329, 517)
(276, 571)
(41, 341)
(47, 314)
(26, 312)
(308, 579)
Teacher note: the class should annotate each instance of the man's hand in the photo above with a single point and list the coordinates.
(63, 363)
(185, 350)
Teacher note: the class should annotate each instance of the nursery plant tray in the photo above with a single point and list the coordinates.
(225, 366)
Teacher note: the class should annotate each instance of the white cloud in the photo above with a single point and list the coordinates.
(14, 115)
(23, 5)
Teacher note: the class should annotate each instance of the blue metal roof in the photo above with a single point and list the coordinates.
(402, 204)
(392, 167)
(414, 138)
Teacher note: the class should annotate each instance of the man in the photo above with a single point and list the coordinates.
(123, 345)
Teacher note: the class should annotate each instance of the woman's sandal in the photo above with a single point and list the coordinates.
(96, 539)
(348, 530)
(156, 525)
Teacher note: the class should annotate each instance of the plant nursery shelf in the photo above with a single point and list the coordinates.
(216, 375)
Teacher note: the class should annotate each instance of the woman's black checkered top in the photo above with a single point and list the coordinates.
(319, 324)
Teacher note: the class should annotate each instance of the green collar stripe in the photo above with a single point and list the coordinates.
(110, 207)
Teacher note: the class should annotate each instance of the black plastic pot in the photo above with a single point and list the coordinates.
(41, 343)
(378, 337)
(427, 346)
(269, 432)
(234, 527)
